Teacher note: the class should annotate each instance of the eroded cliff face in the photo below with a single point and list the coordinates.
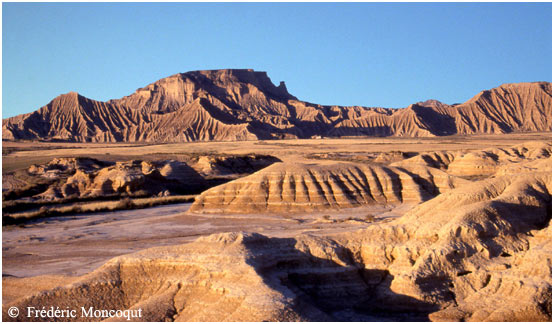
(297, 187)
(231, 105)
(306, 187)
(484, 261)
(473, 251)
(76, 178)
(482, 163)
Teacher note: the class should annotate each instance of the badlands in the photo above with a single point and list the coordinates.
(219, 196)
(454, 228)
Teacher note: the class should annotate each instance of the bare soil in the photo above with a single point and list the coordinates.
(73, 245)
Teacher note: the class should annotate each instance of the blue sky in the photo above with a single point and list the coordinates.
(370, 54)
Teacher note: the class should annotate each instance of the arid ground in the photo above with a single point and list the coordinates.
(454, 228)
(23, 154)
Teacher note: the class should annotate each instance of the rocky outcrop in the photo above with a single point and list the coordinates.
(90, 178)
(135, 178)
(230, 105)
(479, 252)
(296, 187)
(225, 165)
(482, 163)
(469, 251)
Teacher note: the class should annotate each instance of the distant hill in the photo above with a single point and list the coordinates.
(234, 105)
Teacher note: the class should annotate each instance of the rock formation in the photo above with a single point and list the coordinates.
(480, 163)
(225, 165)
(296, 187)
(469, 250)
(135, 178)
(229, 105)
(87, 177)
(479, 252)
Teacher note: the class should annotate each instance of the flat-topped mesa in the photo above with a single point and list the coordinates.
(260, 79)
(243, 104)
(231, 87)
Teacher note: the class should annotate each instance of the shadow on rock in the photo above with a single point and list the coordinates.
(324, 283)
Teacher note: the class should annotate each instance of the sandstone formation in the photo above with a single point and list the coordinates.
(87, 177)
(481, 252)
(229, 105)
(212, 166)
(480, 163)
(135, 178)
(296, 187)
(478, 252)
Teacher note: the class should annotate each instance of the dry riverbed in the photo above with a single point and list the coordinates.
(73, 245)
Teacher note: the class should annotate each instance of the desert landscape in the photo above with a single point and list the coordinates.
(218, 196)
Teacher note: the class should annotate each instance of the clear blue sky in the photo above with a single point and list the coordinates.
(369, 54)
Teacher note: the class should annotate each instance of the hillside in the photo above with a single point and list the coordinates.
(479, 252)
(231, 105)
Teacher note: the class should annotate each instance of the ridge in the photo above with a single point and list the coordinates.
(241, 104)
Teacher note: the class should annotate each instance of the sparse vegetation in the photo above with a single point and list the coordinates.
(93, 207)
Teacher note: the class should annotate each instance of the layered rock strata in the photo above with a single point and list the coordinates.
(482, 163)
(480, 252)
(296, 187)
(231, 105)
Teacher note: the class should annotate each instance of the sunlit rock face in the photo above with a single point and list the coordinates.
(473, 251)
(296, 187)
(234, 105)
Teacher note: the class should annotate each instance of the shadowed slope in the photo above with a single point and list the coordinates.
(471, 253)
(471, 250)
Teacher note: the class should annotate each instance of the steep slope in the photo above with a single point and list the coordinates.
(470, 250)
(480, 252)
(234, 105)
(72, 117)
(523, 107)
(295, 187)
(480, 163)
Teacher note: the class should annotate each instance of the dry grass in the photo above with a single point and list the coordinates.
(369, 218)
(93, 207)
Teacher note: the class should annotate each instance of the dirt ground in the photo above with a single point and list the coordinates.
(76, 244)
(16, 155)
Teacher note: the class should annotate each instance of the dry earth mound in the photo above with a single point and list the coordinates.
(480, 163)
(211, 166)
(86, 177)
(482, 251)
(230, 105)
(135, 178)
(295, 187)
(478, 252)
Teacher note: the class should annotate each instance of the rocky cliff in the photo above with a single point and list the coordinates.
(230, 105)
